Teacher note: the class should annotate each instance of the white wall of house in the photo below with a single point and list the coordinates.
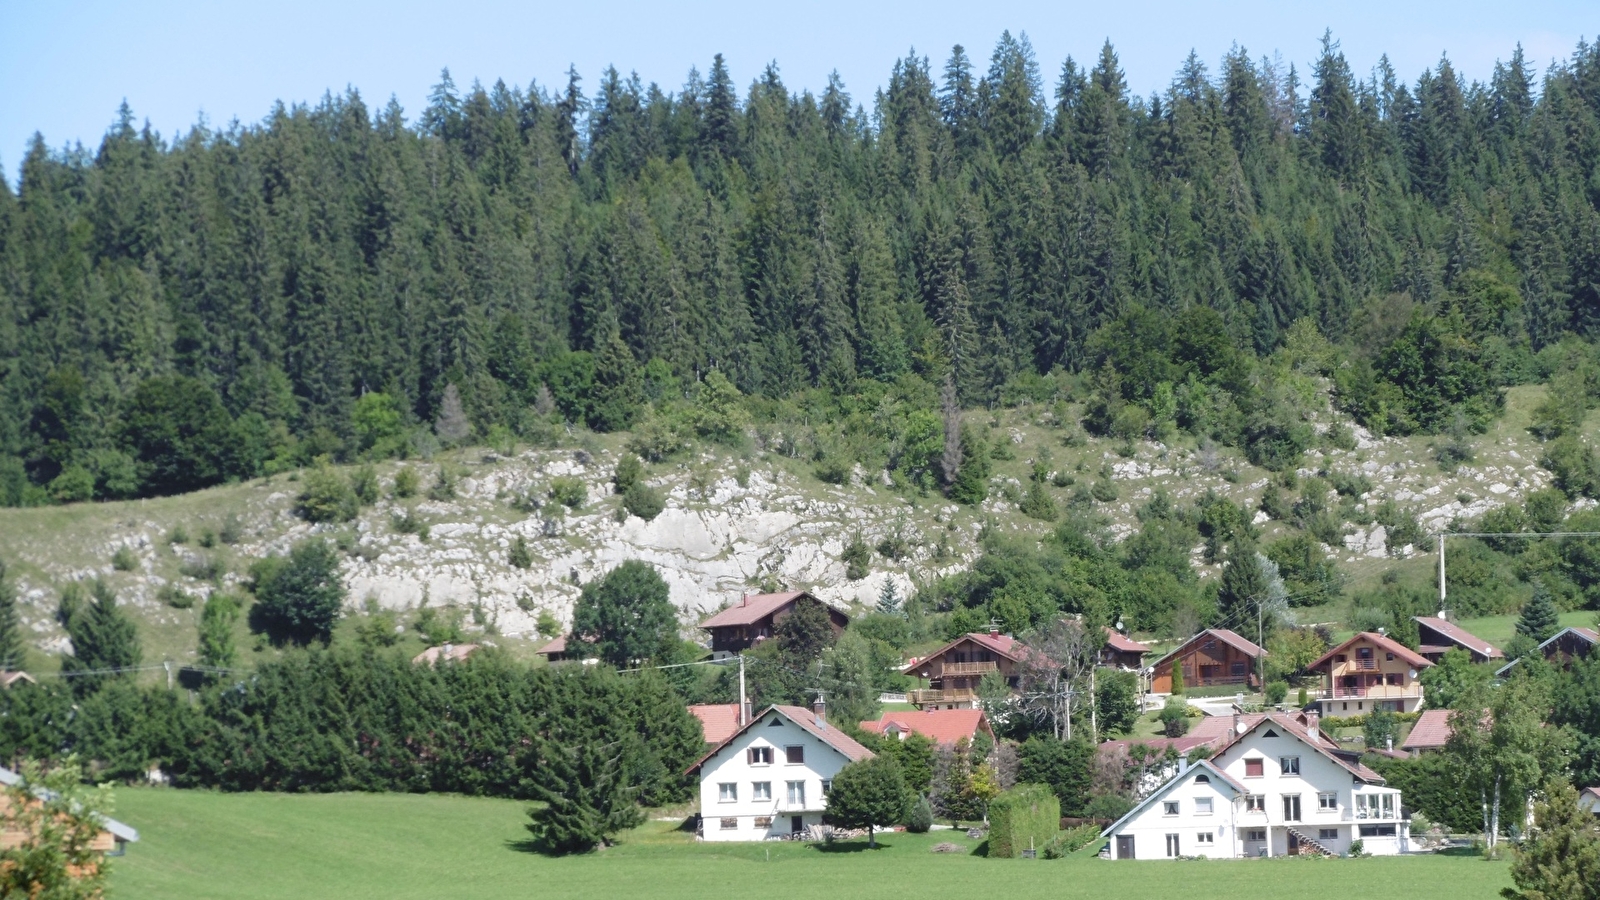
(745, 798)
(1195, 814)
(1333, 807)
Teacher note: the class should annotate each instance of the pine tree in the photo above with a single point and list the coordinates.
(13, 653)
(1244, 585)
(451, 425)
(1561, 861)
(888, 599)
(216, 630)
(105, 643)
(1540, 618)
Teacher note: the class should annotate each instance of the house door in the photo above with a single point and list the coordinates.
(1294, 844)
(1124, 846)
(797, 824)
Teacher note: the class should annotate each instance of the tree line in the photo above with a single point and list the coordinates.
(333, 279)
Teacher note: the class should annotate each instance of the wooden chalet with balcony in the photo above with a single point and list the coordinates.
(1370, 671)
(1213, 657)
(752, 619)
(1437, 636)
(954, 670)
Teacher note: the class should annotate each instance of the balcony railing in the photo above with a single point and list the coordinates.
(1378, 691)
(1209, 680)
(965, 668)
(919, 698)
(1365, 665)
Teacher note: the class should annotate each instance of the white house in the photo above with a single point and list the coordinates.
(771, 777)
(1277, 786)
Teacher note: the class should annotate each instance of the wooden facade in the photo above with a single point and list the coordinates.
(1213, 657)
(1368, 672)
(754, 618)
(954, 670)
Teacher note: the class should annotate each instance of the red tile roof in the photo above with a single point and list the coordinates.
(799, 715)
(942, 726)
(1003, 644)
(719, 721)
(1430, 732)
(1401, 651)
(559, 645)
(751, 609)
(1121, 643)
(1319, 742)
(1460, 636)
(447, 652)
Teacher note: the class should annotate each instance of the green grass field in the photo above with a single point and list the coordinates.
(1498, 630)
(203, 845)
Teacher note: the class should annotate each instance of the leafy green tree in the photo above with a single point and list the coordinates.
(377, 424)
(625, 616)
(1540, 619)
(13, 652)
(216, 630)
(1453, 676)
(869, 793)
(298, 597)
(56, 818)
(179, 435)
(1502, 749)
(1562, 858)
(105, 642)
(1116, 702)
(914, 754)
(1577, 707)
(1380, 728)
(327, 496)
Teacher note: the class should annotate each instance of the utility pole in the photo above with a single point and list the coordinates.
(1261, 664)
(1441, 573)
(743, 703)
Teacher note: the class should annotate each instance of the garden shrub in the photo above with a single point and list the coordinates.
(1025, 817)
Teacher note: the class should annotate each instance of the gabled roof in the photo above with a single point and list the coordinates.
(445, 653)
(1319, 742)
(846, 745)
(559, 645)
(1003, 644)
(718, 720)
(1592, 794)
(1460, 636)
(942, 726)
(118, 830)
(1247, 647)
(1430, 732)
(1586, 635)
(1121, 643)
(1387, 644)
(752, 608)
(1203, 767)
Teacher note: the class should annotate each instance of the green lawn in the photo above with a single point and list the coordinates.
(202, 845)
(1497, 630)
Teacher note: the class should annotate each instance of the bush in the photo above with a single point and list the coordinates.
(857, 558)
(1277, 691)
(326, 497)
(124, 560)
(364, 483)
(643, 501)
(569, 492)
(1069, 842)
(833, 470)
(444, 485)
(520, 556)
(629, 471)
(405, 483)
(921, 819)
(1175, 717)
(1103, 490)
(409, 522)
(1025, 817)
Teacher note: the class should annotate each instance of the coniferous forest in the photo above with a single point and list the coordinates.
(333, 279)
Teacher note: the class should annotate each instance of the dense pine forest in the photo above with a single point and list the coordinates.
(337, 280)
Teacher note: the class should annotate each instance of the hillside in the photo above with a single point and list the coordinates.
(733, 523)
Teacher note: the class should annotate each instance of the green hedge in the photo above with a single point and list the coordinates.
(1023, 817)
(1069, 842)
(1331, 723)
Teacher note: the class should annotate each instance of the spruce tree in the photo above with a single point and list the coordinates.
(1244, 585)
(451, 425)
(12, 649)
(888, 599)
(105, 643)
(1561, 859)
(1540, 619)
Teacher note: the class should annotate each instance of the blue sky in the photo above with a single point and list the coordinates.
(65, 66)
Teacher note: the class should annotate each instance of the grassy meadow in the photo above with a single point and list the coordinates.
(212, 846)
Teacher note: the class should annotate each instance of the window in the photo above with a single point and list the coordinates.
(1255, 803)
(794, 756)
(1202, 778)
(1291, 807)
(1254, 768)
(1375, 806)
(1327, 834)
(1169, 808)
(1240, 669)
(1377, 831)
(1392, 678)
(1256, 834)
(1210, 644)
(730, 824)
(774, 723)
(1202, 806)
(827, 786)
(759, 756)
(1289, 765)
(1172, 845)
(1205, 839)
(761, 790)
(727, 792)
(763, 821)
(797, 793)
(1327, 801)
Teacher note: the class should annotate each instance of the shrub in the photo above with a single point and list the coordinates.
(569, 492)
(832, 470)
(921, 819)
(175, 597)
(1103, 490)
(405, 483)
(178, 535)
(1025, 817)
(124, 560)
(202, 567)
(326, 497)
(1069, 842)
(1175, 717)
(1277, 691)
(231, 532)
(444, 485)
(857, 558)
(520, 556)
(1037, 503)
(410, 523)
(629, 471)
(643, 501)
(364, 483)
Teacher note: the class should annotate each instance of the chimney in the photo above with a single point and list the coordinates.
(1314, 725)
(1238, 722)
(994, 631)
(819, 709)
(744, 599)
(1390, 741)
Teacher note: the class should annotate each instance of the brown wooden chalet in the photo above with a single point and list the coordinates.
(751, 620)
(1370, 671)
(1565, 646)
(954, 670)
(1122, 652)
(1438, 636)
(1215, 656)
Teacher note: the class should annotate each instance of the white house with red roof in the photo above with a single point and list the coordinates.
(717, 720)
(771, 777)
(1370, 671)
(1277, 786)
(752, 620)
(942, 726)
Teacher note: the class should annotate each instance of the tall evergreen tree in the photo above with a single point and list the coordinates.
(105, 643)
(13, 654)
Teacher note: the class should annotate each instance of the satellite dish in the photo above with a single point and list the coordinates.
(1411, 673)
